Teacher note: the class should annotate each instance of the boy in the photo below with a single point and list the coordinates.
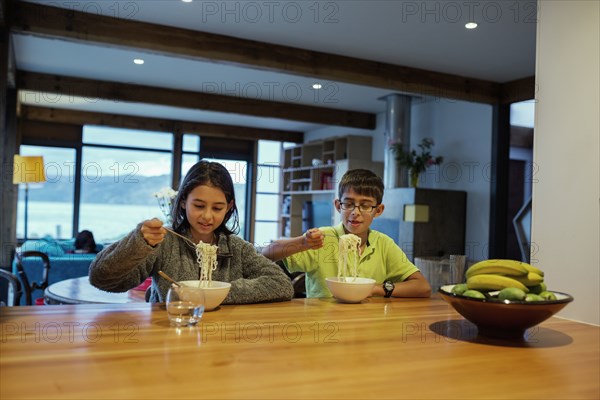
(316, 252)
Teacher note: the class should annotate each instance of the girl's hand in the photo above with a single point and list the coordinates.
(313, 239)
(153, 232)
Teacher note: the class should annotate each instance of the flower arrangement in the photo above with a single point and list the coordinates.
(165, 197)
(416, 163)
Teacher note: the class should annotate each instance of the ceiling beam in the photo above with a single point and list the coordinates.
(36, 19)
(114, 91)
(518, 90)
(74, 117)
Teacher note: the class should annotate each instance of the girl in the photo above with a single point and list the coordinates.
(204, 205)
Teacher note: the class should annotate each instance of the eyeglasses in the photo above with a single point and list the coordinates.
(362, 207)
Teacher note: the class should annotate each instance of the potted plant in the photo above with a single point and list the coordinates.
(165, 198)
(416, 163)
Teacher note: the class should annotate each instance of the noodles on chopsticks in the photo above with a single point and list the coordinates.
(206, 255)
(349, 248)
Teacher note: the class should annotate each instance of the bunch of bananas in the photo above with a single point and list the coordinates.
(499, 274)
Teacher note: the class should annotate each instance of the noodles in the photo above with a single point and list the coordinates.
(349, 247)
(206, 255)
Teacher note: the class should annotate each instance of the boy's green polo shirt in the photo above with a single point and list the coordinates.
(381, 260)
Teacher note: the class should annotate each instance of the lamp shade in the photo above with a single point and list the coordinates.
(28, 169)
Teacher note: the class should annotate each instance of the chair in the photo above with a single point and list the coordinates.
(28, 288)
(14, 291)
(297, 278)
(299, 284)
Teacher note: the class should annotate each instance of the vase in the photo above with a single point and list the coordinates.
(414, 178)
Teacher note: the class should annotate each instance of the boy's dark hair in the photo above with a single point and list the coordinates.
(85, 241)
(363, 182)
(212, 174)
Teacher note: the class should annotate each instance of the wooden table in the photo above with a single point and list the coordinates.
(303, 349)
(80, 291)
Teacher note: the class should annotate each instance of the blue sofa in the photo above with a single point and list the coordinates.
(63, 264)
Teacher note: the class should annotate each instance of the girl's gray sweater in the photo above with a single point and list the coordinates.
(125, 264)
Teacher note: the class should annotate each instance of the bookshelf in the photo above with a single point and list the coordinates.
(311, 172)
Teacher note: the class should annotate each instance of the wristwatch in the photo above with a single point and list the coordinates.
(388, 288)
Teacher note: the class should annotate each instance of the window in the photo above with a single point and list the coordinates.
(237, 169)
(118, 183)
(106, 182)
(268, 176)
(51, 204)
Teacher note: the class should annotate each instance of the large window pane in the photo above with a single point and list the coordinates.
(117, 189)
(50, 206)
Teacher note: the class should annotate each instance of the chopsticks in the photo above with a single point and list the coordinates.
(181, 236)
(167, 277)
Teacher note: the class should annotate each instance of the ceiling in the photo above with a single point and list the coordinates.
(428, 35)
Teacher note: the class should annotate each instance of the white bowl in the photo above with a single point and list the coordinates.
(214, 294)
(350, 290)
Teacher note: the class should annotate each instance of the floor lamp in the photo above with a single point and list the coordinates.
(28, 169)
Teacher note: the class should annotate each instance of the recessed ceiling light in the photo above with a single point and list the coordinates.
(317, 86)
(187, 1)
(471, 25)
(138, 61)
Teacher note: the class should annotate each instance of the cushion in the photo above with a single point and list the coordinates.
(67, 244)
(51, 247)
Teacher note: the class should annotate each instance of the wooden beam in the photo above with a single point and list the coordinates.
(114, 91)
(521, 136)
(9, 144)
(43, 133)
(31, 18)
(518, 90)
(73, 117)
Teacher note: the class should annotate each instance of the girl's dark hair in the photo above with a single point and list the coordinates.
(363, 182)
(211, 174)
(85, 241)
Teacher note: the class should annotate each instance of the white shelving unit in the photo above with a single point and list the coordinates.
(311, 172)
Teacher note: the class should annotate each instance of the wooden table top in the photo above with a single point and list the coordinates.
(80, 291)
(314, 348)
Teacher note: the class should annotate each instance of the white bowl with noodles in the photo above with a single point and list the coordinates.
(350, 290)
(214, 293)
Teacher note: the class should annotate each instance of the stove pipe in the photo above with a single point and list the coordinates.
(397, 130)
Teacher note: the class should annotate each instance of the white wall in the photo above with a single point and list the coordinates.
(462, 134)
(565, 214)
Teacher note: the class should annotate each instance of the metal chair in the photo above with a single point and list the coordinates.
(297, 278)
(28, 288)
(14, 291)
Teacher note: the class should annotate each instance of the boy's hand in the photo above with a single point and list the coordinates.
(153, 232)
(313, 239)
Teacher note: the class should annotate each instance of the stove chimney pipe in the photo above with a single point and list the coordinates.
(397, 130)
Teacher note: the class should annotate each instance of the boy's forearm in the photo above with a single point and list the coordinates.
(283, 248)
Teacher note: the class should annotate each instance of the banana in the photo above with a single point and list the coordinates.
(502, 267)
(494, 282)
(533, 269)
(532, 279)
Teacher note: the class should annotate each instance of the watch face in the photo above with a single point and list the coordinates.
(388, 285)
